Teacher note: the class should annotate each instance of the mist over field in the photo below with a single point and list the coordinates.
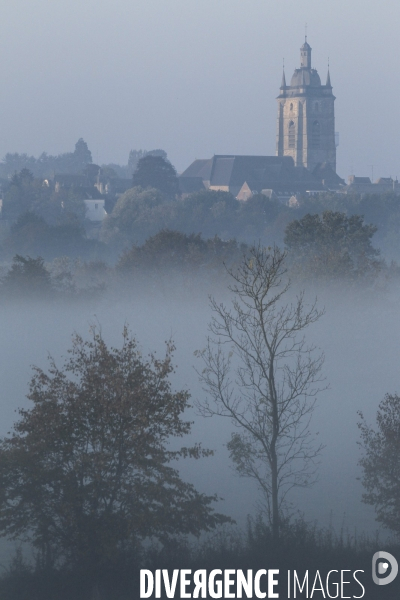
(359, 335)
(172, 173)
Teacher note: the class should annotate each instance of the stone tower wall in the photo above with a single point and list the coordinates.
(309, 106)
(305, 113)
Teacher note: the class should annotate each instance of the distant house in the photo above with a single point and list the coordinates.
(244, 193)
(294, 202)
(67, 180)
(112, 186)
(95, 210)
(79, 183)
(92, 185)
(364, 185)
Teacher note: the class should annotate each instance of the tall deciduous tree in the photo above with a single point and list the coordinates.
(381, 462)
(259, 373)
(86, 473)
(133, 217)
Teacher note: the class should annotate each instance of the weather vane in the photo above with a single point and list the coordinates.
(306, 31)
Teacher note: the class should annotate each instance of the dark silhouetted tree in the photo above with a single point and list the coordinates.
(27, 279)
(172, 251)
(22, 194)
(156, 172)
(332, 245)
(81, 155)
(136, 155)
(88, 472)
(381, 462)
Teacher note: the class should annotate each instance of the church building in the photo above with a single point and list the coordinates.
(305, 161)
(306, 117)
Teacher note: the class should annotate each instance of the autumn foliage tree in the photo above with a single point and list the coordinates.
(86, 473)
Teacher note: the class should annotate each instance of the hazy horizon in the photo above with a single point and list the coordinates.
(194, 78)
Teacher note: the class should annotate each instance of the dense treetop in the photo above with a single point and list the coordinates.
(88, 471)
(169, 251)
(332, 245)
(156, 172)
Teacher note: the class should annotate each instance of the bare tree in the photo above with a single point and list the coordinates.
(260, 373)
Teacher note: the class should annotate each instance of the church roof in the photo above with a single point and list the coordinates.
(359, 180)
(201, 167)
(222, 170)
(189, 185)
(259, 172)
(233, 170)
(324, 172)
(305, 77)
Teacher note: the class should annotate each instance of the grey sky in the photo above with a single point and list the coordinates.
(195, 77)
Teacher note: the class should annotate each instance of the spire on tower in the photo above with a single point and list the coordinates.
(328, 80)
(328, 77)
(283, 84)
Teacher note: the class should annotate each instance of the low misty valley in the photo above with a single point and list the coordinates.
(199, 300)
(165, 268)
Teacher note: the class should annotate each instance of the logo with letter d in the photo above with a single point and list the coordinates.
(384, 564)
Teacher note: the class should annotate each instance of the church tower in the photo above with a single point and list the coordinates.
(306, 117)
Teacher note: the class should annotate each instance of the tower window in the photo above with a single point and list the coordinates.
(316, 107)
(316, 135)
(292, 135)
(291, 106)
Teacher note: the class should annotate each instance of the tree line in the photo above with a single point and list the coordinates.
(69, 162)
(153, 203)
(326, 249)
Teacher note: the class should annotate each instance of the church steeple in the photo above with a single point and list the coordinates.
(283, 84)
(306, 116)
(328, 79)
(305, 55)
